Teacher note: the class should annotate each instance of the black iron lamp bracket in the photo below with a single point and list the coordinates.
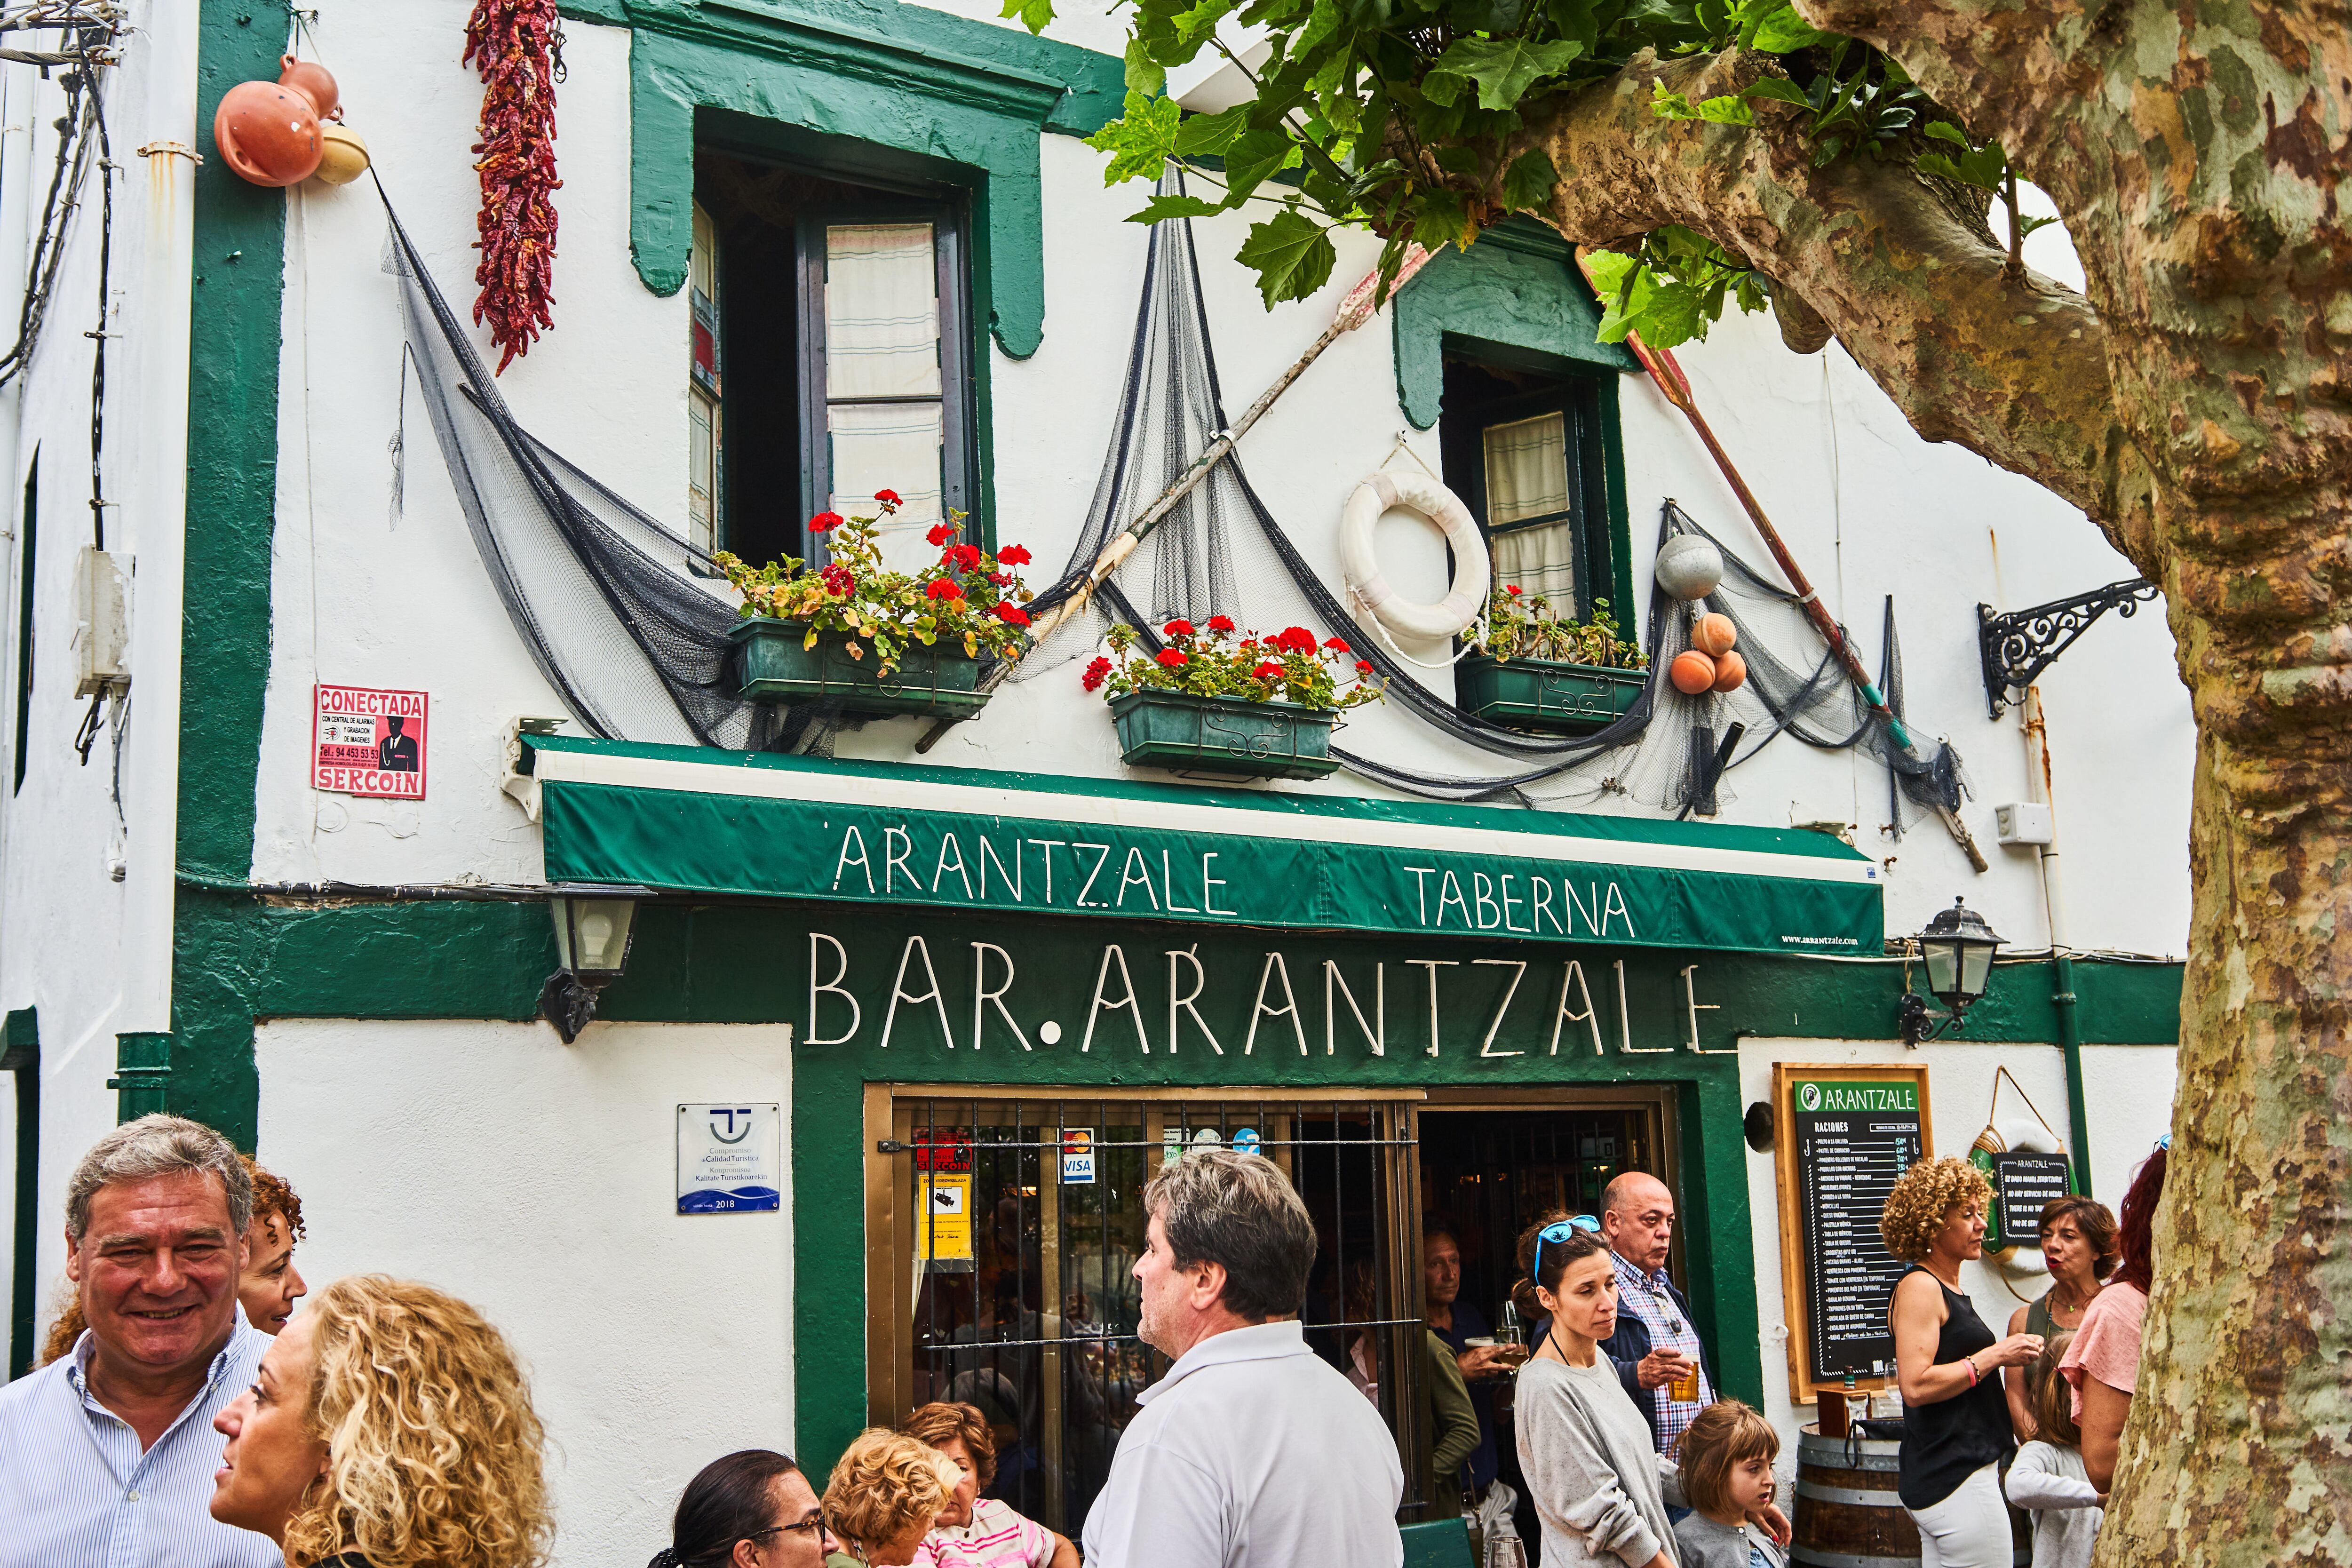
(1920, 1023)
(2017, 647)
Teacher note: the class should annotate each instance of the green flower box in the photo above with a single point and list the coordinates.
(1224, 735)
(771, 666)
(1545, 694)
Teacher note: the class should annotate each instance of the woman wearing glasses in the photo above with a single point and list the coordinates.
(1600, 1489)
(750, 1510)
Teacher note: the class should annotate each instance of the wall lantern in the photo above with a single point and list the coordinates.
(1957, 949)
(593, 922)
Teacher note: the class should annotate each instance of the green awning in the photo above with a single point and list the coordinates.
(685, 819)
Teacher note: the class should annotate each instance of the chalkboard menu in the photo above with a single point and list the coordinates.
(1847, 1135)
(2022, 1184)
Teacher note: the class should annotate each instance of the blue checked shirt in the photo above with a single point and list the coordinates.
(75, 1492)
(1646, 1296)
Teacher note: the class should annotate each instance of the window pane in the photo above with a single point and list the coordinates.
(893, 446)
(1539, 560)
(881, 312)
(1526, 469)
(702, 475)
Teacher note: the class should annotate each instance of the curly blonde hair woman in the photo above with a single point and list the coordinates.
(885, 1492)
(390, 1426)
(1956, 1430)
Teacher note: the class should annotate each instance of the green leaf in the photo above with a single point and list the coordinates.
(1779, 89)
(1528, 183)
(1724, 110)
(1144, 74)
(1291, 254)
(1610, 268)
(2027, 224)
(1253, 157)
(1777, 29)
(1140, 141)
(1211, 134)
(1944, 130)
(1033, 13)
(1505, 69)
(1162, 207)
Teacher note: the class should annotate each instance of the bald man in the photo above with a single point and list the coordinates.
(1656, 1348)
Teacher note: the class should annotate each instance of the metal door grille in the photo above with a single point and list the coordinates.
(1029, 1309)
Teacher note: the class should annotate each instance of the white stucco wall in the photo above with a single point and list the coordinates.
(539, 1182)
(1864, 504)
(2128, 1088)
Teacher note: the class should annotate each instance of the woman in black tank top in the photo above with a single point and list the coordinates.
(1956, 1420)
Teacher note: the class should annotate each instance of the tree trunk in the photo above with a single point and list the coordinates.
(2197, 406)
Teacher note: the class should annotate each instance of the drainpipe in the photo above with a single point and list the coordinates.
(18, 83)
(2070, 1026)
(152, 470)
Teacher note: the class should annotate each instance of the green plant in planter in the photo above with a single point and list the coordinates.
(1525, 626)
(968, 599)
(1217, 660)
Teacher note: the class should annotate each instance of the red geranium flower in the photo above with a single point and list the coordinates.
(1094, 674)
(1221, 623)
(1012, 614)
(1002, 579)
(1336, 646)
(825, 523)
(1178, 628)
(1269, 670)
(1294, 639)
(1171, 656)
(1015, 555)
(890, 499)
(941, 533)
(1363, 666)
(1512, 589)
(838, 579)
(962, 557)
(945, 588)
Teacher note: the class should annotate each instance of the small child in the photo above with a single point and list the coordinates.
(2047, 1479)
(1726, 1471)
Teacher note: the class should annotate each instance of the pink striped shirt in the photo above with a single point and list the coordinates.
(996, 1538)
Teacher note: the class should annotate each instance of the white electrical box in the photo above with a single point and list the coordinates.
(102, 642)
(2023, 822)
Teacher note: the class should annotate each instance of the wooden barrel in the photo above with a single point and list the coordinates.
(1847, 1513)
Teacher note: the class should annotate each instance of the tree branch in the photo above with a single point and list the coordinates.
(2013, 369)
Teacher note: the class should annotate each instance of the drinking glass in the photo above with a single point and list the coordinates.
(1506, 1552)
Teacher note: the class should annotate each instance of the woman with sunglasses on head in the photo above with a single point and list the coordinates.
(750, 1510)
(1601, 1490)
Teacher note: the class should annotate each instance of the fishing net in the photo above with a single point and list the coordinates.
(630, 623)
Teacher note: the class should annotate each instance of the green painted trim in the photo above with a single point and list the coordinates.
(234, 339)
(142, 1074)
(1616, 502)
(895, 76)
(716, 766)
(1514, 296)
(20, 1054)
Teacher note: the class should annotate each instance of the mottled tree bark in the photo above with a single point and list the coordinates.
(2197, 406)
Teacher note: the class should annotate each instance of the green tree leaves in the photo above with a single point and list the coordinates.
(1291, 254)
(1504, 68)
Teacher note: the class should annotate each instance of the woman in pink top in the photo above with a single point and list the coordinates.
(2102, 1361)
(971, 1531)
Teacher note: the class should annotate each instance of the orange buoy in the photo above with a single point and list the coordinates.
(313, 81)
(1692, 672)
(1713, 635)
(269, 134)
(1730, 669)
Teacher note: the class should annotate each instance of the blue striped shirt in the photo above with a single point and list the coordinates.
(75, 1492)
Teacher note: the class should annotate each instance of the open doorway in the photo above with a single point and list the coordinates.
(1487, 1172)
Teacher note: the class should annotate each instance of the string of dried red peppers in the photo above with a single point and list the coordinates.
(509, 42)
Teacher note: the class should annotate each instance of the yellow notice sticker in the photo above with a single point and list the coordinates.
(943, 1231)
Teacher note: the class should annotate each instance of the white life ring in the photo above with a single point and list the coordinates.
(2019, 1135)
(1473, 571)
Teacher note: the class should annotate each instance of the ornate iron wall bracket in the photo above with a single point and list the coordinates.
(2017, 647)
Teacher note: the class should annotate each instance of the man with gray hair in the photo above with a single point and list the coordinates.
(1252, 1452)
(107, 1455)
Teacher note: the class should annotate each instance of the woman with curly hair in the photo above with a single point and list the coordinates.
(1956, 1430)
(390, 1426)
(885, 1493)
(984, 1531)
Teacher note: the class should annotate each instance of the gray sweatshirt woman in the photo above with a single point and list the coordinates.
(1599, 1488)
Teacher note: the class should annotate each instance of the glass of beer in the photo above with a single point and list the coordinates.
(1684, 1387)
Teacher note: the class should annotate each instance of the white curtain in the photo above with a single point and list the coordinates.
(1527, 477)
(882, 340)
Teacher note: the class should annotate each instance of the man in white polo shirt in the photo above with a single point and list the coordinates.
(1252, 1452)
